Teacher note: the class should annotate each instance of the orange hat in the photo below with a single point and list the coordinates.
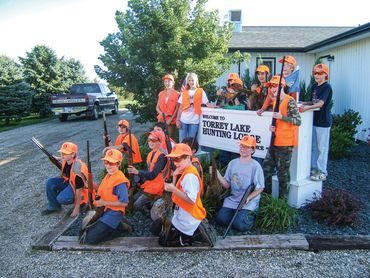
(263, 68)
(236, 81)
(289, 60)
(156, 134)
(232, 76)
(113, 155)
(124, 122)
(68, 148)
(169, 76)
(275, 80)
(248, 141)
(179, 150)
(321, 68)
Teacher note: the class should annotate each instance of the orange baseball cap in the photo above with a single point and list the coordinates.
(68, 148)
(263, 68)
(113, 155)
(236, 81)
(290, 60)
(248, 141)
(179, 150)
(275, 80)
(169, 76)
(156, 134)
(321, 68)
(232, 76)
(124, 122)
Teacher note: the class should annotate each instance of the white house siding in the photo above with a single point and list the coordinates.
(350, 80)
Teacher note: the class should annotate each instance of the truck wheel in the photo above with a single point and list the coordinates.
(115, 110)
(63, 117)
(95, 112)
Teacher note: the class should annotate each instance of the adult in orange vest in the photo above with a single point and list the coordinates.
(167, 104)
(240, 173)
(191, 100)
(70, 187)
(113, 193)
(123, 140)
(150, 180)
(286, 137)
(189, 211)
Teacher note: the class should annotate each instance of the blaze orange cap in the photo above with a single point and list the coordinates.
(290, 60)
(68, 148)
(236, 81)
(263, 68)
(275, 81)
(169, 76)
(321, 68)
(179, 150)
(156, 134)
(124, 122)
(248, 141)
(232, 76)
(113, 156)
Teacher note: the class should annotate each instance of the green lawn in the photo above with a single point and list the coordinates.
(29, 120)
(124, 101)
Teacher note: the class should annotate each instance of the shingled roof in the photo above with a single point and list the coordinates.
(269, 38)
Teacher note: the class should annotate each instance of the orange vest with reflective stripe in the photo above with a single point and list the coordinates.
(286, 134)
(169, 107)
(155, 186)
(197, 100)
(136, 156)
(195, 160)
(196, 210)
(78, 168)
(106, 188)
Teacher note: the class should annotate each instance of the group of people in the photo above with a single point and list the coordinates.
(177, 160)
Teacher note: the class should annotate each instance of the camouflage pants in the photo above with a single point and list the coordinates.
(278, 158)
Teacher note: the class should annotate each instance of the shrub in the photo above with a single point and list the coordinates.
(342, 133)
(335, 206)
(274, 215)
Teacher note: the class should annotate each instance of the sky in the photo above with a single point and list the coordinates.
(74, 28)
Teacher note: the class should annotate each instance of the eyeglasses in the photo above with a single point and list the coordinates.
(152, 140)
(106, 162)
(319, 73)
(179, 159)
(121, 126)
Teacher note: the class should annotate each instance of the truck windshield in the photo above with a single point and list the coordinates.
(84, 88)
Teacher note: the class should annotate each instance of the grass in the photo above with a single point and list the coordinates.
(123, 101)
(29, 120)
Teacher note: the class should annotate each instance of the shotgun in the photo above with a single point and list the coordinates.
(90, 187)
(106, 136)
(248, 191)
(52, 159)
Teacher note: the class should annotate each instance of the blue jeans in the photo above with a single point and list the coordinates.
(320, 148)
(100, 232)
(243, 221)
(188, 130)
(58, 193)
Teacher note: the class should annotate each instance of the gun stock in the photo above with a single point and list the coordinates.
(52, 159)
(106, 136)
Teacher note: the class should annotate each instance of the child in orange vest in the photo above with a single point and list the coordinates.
(260, 90)
(167, 104)
(113, 193)
(286, 137)
(70, 187)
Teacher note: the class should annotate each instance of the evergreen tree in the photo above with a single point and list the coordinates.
(10, 71)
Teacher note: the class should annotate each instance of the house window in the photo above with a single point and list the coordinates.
(268, 61)
(236, 18)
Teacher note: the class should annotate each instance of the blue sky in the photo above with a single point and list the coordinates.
(74, 28)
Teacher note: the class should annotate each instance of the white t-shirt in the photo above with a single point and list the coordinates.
(188, 116)
(182, 220)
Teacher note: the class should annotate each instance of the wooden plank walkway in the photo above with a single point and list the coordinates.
(134, 244)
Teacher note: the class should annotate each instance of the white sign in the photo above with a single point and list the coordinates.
(223, 129)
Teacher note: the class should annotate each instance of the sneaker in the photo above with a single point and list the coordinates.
(50, 211)
(318, 177)
(314, 172)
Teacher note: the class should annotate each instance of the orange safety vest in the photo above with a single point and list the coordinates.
(136, 156)
(78, 168)
(155, 186)
(168, 107)
(197, 100)
(196, 210)
(286, 134)
(106, 187)
(195, 160)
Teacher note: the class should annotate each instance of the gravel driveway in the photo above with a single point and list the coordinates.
(24, 170)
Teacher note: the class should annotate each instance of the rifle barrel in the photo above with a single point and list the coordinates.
(49, 155)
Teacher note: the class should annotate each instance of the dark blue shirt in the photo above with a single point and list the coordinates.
(112, 218)
(323, 117)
